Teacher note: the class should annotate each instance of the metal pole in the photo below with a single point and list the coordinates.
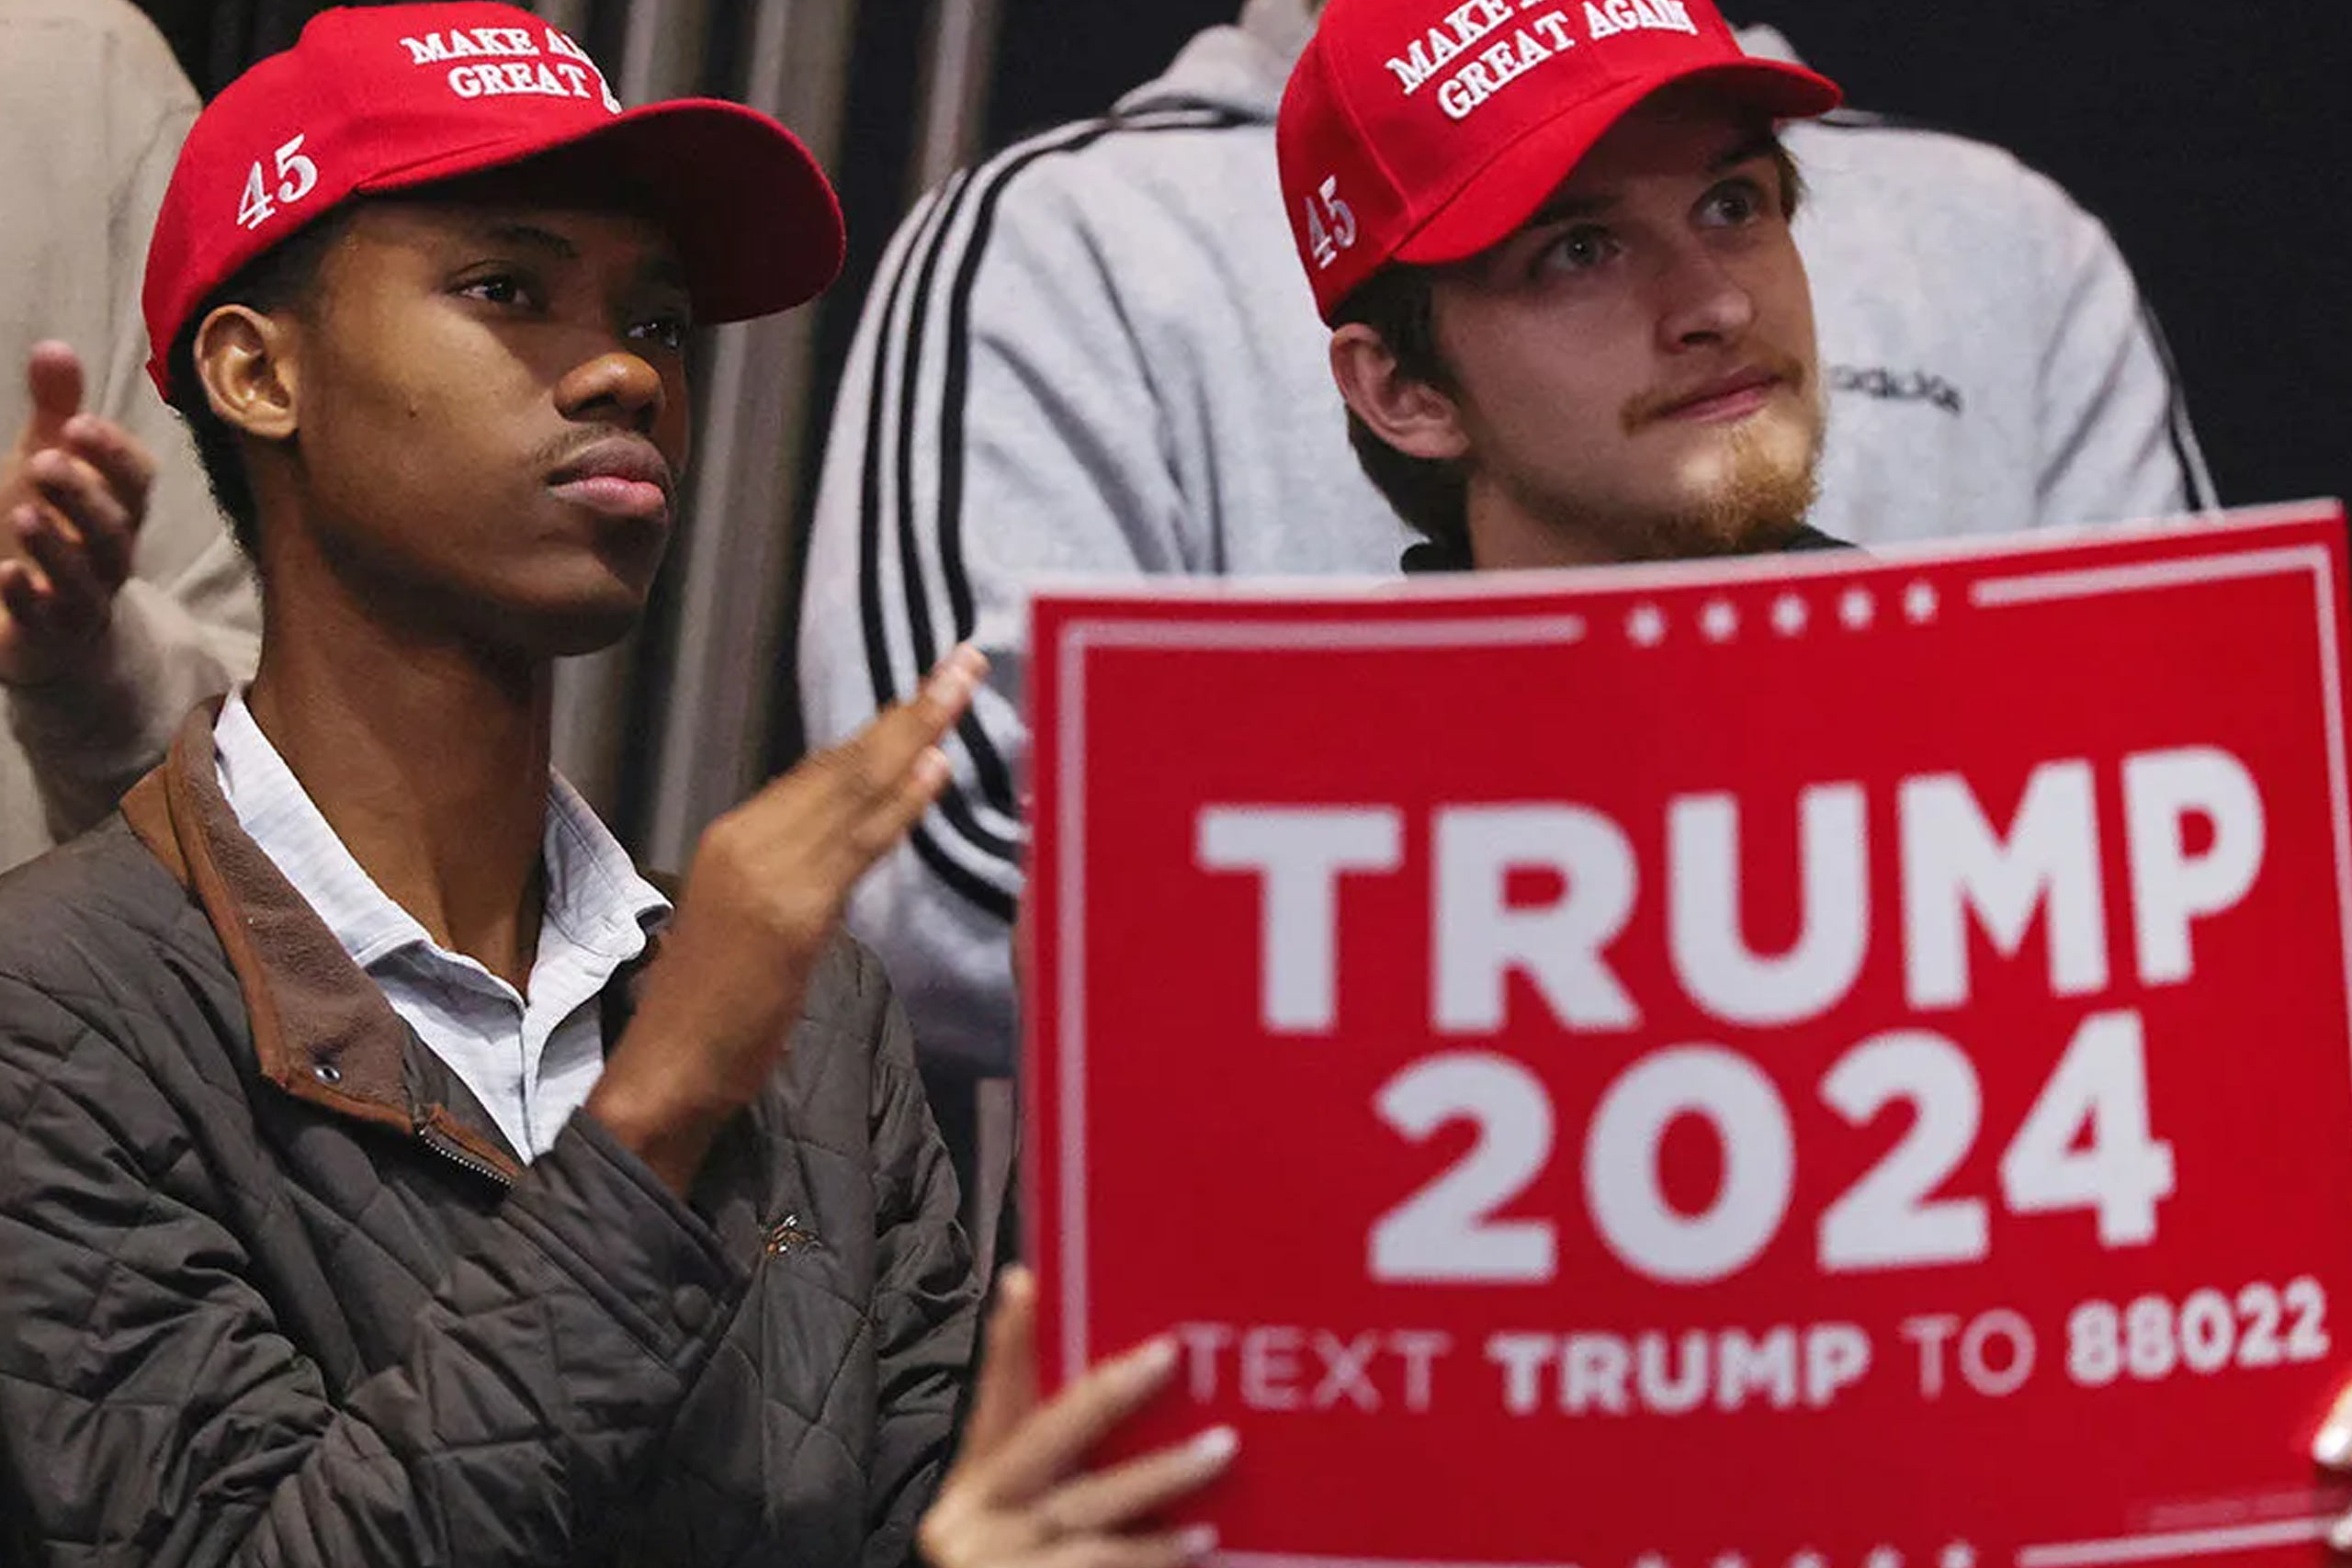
(754, 401)
(956, 72)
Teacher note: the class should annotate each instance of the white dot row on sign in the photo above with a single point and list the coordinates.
(1955, 1555)
(1790, 615)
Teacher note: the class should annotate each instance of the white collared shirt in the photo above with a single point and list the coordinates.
(531, 1060)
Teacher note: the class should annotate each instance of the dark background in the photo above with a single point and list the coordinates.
(2215, 138)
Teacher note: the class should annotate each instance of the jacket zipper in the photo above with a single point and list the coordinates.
(459, 1156)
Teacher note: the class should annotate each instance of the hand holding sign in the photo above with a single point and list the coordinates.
(2333, 1449)
(1014, 1498)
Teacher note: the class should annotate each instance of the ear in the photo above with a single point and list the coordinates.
(1410, 415)
(250, 372)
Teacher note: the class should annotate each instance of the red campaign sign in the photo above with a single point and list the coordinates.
(1829, 1062)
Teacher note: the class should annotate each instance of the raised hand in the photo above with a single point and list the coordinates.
(1018, 1498)
(759, 908)
(72, 495)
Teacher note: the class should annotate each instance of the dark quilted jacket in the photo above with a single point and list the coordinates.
(271, 1291)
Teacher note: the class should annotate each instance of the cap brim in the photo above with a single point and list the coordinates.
(1493, 203)
(755, 219)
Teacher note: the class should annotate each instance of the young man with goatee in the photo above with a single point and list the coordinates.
(1569, 319)
(1571, 327)
(388, 1172)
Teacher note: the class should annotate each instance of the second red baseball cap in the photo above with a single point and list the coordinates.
(1427, 131)
(377, 99)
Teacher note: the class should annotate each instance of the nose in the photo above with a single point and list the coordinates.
(1701, 302)
(615, 385)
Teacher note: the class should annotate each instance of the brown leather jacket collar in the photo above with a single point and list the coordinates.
(321, 1029)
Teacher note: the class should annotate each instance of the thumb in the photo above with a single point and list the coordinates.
(54, 375)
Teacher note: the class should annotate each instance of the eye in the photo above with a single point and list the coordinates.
(1734, 204)
(502, 288)
(1579, 249)
(668, 328)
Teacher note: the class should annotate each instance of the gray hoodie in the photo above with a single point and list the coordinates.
(1096, 354)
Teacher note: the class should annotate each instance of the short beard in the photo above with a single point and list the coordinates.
(1759, 508)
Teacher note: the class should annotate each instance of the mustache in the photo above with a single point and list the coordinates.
(1648, 408)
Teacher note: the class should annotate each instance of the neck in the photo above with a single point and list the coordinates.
(1506, 536)
(429, 761)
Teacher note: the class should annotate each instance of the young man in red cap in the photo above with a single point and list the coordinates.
(1553, 242)
(1570, 326)
(375, 1186)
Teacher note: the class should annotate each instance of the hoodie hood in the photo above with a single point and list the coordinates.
(1239, 68)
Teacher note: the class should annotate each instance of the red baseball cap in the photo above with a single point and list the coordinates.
(1427, 131)
(376, 99)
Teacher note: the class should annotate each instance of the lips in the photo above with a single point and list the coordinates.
(620, 477)
(1731, 397)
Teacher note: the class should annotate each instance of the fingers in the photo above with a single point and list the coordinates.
(2333, 1449)
(1172, 1549)
(2333, 1446)
(25, 594)
(121, 460)
(889, 818)
(1006, 1500)
(1008, 1389)
(88, 501)
(1057, 1438)
(949, 690)
(76, 591)
(892, 744)
(28, 631)
(870, 792)
(54, 376)
(1111, 1499)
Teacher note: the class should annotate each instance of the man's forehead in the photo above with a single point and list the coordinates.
(560, 230)
(1685, 131)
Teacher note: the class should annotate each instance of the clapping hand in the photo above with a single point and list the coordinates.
(72, 494)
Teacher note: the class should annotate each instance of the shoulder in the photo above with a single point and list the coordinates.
(92, 908)
(1962, 219)
(1174, 145)
(1853, 159)
(108, 43)
(99, 946)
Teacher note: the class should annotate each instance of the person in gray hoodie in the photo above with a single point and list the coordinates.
(1095, 354)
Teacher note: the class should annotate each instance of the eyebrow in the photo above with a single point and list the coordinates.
(1563, 209)
(1567, 209)
(1762, 144)
(665, 270)
(532, 237)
